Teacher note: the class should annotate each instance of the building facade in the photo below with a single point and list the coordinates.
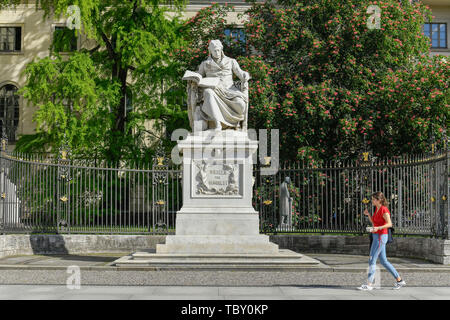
(25, 36)
(437, 30)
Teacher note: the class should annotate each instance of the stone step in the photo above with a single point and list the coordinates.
(283, 259)
(283, 254)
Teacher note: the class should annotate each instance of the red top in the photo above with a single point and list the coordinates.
(378, 219)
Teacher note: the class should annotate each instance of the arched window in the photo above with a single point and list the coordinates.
(9, 111)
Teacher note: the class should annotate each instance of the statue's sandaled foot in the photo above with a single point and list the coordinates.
(218, 126)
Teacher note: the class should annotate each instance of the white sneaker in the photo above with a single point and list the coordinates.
(365, 287)
(399, 284)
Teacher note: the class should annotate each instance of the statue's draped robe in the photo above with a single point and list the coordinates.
(224, 103)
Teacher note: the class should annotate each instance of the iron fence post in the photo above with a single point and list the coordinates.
(366, 178)
(160, 188)
(2, 178)
(57, 197)
(432, 198)
(63, 179)
(3, 148)
(444, 198)
(445, 191)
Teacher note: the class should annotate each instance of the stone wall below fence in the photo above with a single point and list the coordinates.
(436, 250)
(19, 244)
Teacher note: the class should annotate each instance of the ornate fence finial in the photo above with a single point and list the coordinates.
(366, 156)
(64, 149)
(432, 142)
(445, 137)
(159, 159)
(64, 155)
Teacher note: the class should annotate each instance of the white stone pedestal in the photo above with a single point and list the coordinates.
(217, 224)
(217, 214)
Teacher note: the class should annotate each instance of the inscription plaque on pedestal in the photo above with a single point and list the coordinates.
(216, 179)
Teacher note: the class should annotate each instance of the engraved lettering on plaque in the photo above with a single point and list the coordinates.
(216, 179)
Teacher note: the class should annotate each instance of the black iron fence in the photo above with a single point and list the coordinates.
(66, 195)
(332, 198)
(83, 196)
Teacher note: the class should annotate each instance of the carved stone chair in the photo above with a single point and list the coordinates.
(243, 87)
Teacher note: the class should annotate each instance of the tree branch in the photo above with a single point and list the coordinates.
(111, 52)
(94, 49)
(134, 10)
(151, 133)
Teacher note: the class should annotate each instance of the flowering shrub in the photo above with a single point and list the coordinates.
(268, 227)
(339, 84)
(309, 221)
(262, 94)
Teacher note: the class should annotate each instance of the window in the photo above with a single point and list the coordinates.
(9, 111)
(437, 32)
(235, 34)
(10, 39)
(64, 39)
(235, 41)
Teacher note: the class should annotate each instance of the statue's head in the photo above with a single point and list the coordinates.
(287, 180)
(216, 49)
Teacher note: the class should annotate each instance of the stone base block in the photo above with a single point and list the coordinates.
(238, 224)
(213, 244)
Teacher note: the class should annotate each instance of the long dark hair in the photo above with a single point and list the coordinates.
(380, 197)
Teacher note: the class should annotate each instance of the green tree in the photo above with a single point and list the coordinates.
(86, 94)
(71, 99)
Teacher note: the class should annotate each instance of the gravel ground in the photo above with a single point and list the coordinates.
(217, 278)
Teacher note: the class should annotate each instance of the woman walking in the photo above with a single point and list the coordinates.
(381, 221)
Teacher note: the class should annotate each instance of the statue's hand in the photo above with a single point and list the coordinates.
(246, 76)
(244, 85)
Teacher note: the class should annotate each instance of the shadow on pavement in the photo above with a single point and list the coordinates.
(48, 244)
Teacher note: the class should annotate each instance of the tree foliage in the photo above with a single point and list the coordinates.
(71, 99)
(85, 95)
(329, 83)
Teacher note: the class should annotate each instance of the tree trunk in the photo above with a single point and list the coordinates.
(118, 131)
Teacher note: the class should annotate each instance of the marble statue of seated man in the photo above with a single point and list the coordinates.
(218, 104)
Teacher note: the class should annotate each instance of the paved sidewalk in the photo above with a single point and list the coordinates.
(47, 292)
